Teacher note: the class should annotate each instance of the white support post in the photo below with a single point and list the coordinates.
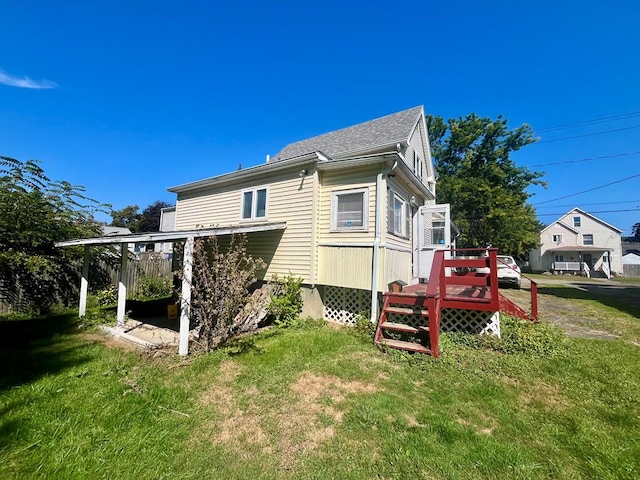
(84, 283)
(185, 306)
(122, 286)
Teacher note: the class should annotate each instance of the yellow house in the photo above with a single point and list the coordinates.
(348, 211)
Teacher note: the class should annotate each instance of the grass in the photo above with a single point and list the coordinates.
(319, 402)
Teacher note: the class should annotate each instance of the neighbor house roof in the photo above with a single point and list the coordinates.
(379, 132)
(594, 218)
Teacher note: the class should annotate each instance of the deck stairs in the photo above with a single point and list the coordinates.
(410, 319)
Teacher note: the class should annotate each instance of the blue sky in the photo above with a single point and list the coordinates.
(130, 97)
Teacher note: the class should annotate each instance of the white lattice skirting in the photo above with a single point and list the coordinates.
(471, 321)
(343, 305)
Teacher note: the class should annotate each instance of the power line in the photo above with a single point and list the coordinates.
(587, 134)
(584, 159)
(589, 190)
(590, 122)
(597, 203)
(596, 211)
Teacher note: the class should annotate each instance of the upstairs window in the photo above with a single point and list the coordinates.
(349, 210)
(556, 238)
(417, 165)
(576, 221)
(254, 204)
(587, 239)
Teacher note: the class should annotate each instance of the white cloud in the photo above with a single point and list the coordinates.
(25, 82)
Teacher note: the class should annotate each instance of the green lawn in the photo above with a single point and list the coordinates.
(317, 402)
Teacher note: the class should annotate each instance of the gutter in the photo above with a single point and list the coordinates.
(376, 241)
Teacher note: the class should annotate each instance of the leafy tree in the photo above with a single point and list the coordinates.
(150, 217)
(128, 217)
(486, 189)
(36, 213)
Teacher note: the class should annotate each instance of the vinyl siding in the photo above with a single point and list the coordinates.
(390, 238)
(289, 199)
(340, 180)
(348, 267)
(397, 266)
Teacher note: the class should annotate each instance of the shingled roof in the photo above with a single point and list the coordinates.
(382, 131)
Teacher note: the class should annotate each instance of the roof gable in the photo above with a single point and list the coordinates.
(592, 217)
(379, 132)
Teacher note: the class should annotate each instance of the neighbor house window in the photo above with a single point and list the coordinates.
(576, 221)
(557, 238)
(587, 239)
(349, 209)
(397, 215)
(559, 258)
(254, 204)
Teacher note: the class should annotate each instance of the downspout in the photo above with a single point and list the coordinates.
(376, 241)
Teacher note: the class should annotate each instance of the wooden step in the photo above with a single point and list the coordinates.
(399, 327)
(408, 346)
(407, 311)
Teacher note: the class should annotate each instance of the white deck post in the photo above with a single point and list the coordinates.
(122, 285)
(187, 273)
(84, 283)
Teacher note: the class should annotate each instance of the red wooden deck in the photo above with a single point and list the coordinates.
(454, 284)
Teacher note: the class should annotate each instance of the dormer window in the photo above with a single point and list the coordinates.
(576, 221)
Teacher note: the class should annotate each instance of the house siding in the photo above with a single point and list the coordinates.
(348, 267)
(288, 251)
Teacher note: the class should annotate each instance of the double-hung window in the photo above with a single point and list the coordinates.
(254, 204)
(397, 215)
(417, 165)
(576, 221)
(587, 239)
(557, 238)
(349, 210)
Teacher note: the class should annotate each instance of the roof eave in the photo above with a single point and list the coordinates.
(246, 174)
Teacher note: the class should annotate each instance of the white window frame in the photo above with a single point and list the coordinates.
(592, 239)
(417, 165)
(254, 204)
(403, 215)
(556, 238)
(577, 222)
(365, 210)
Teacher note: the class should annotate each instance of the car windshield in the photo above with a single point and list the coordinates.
(505, 260)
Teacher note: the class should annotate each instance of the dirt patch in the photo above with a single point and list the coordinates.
(543, 394)
(482, 424)
(303, 422)
(112, 342)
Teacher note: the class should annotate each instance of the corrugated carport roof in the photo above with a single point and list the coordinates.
(172, 236)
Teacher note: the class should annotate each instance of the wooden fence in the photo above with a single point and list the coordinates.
(136, 270)
(12, 300)
(631, 270)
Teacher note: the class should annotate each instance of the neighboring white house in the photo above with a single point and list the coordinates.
(631, 259)
(167, 224)
(579, 242)
(354, 210)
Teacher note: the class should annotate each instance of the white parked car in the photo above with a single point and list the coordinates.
(508, 271)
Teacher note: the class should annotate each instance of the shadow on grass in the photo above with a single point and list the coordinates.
(621, 297)
(32, 348)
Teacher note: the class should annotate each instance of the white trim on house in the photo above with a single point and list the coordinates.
(254, 204)
(364, 212)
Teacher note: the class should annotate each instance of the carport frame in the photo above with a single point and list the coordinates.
(188, 236)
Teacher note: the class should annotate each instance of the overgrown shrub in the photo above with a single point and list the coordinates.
(517, 337)
(94, 318)
(220, 287)
(286, 300)
(362, 328)
(152, 286)
(106, 296)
